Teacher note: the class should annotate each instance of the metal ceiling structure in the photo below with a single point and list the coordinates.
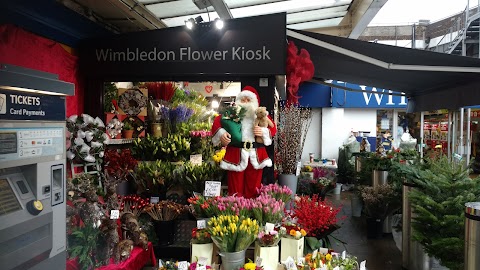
(345, 17)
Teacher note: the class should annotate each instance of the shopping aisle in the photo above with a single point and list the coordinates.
(381, 254)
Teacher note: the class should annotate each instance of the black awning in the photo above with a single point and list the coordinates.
(431, 80)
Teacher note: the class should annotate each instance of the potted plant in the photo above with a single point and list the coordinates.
(155, 177)
(127, 131)
(266, 246)
(147, 148)
(175, 148)
(119, 164)
(202, 245)
(379, 202)
(193, 177)
(293, 126)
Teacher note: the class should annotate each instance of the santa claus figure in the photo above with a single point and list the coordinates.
(244, 158)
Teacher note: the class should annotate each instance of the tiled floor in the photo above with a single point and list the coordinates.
(380, 254)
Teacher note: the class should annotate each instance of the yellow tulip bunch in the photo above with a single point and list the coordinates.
(232, 233)
(219, 155)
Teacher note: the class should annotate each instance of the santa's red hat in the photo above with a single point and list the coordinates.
(249, 91)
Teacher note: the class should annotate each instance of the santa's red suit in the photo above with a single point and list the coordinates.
(245, 160)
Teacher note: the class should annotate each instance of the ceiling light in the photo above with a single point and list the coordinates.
(189, 23)
(215, 104)
(218, 24)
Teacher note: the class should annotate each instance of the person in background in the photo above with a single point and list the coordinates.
(387, 141)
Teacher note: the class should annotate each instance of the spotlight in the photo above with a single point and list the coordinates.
(215, 104)
(189, 23)
(218, 23)
(198, 19)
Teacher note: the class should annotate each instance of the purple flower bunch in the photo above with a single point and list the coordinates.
(276, 191)
(180, 114)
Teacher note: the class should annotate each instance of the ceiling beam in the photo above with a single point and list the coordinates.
(361, 14)
(139, 12)
(222, 9)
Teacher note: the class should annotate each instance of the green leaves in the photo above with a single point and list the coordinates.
(193, 177)
(82, 244)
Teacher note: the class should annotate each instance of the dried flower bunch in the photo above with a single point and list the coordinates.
(165, 210)
(294, 122)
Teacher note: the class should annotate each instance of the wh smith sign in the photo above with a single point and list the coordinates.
(370, 97)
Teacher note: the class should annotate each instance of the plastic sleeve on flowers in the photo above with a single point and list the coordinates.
(216, 138)
(267, 139)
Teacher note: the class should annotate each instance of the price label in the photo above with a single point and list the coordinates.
(315, 253)
(114, 214)
(202, 261)
(196, 159)
(363, 265)
(290, 264)
(160, 263)
(183, 265)
(201, 224)
(212, 188)
(324, 250)
(301, 260)
(344, 255)
(269, 227)
(258, 261)
(154, 199)
(201, 267)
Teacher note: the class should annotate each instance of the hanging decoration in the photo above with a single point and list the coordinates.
(300, 68)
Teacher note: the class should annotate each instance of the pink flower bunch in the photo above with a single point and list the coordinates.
(265, 209)
(200, 133)
(277, 192)
(232, 205)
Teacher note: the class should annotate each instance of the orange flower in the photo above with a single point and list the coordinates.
(303, 232)
(293, 232)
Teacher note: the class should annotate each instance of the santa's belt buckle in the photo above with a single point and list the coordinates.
(248, 145)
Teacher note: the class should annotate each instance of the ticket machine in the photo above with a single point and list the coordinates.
(32, 169)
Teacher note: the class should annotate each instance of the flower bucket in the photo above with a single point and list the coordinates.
(356, 206)
(291, 247)
(379, 178)
(269, 255)
(202, 250)
(157, 130)
(338, 189)
(165, 231)
(233, 260)
(123, 188)
(289, 180)
(374, 228)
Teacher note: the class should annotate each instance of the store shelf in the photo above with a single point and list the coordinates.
(118, 141)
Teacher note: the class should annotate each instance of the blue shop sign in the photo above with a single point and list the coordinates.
(371, 97)
(16, 105)
(314, 95)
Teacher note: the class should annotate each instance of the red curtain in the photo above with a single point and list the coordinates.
(21, 48)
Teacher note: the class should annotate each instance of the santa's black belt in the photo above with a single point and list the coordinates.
(247, 145)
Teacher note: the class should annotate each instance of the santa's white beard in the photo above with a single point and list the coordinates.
(250, 107)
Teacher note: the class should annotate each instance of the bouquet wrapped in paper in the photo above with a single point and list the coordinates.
(231, 121)
(232, 233)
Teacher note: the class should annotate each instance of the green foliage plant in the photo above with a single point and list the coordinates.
(193, 177)
(82, 244)
(156, 176)
(438, 202)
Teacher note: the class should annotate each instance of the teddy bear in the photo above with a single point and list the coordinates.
(262, 120)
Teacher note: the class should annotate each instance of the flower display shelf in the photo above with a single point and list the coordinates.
(137, 260)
